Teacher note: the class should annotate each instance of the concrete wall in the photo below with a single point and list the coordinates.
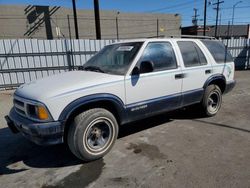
(41, 22)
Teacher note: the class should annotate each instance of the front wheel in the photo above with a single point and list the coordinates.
(212, 100)
(92, 134)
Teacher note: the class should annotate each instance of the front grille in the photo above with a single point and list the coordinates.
(20, 107)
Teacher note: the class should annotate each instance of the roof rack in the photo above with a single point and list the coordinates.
(192, 36)
(183, 36)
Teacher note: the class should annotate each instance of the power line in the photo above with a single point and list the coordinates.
(231, 18)
(243, 22)
(169, 7)
(125, 19)
(92, 18)
(237, 7)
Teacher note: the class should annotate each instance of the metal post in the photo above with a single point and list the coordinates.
(233, 16)
(205, 18)
(216, 24)
(226, 49)
(75, 19)
(97, 19)
(69, 53)
(157, 30)
(117, 30)
(248, 31)
(69, 26)
(117, 26)
(248, 46)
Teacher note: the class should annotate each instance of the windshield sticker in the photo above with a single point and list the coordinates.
(125, 48)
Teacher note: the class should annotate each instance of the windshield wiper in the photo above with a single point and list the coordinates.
(93, 68)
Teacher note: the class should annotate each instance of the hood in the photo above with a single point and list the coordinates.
(64, 83)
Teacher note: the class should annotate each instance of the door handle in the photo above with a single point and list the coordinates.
(208, 71)
(179, 76)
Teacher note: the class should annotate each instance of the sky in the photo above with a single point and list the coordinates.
(184, 8)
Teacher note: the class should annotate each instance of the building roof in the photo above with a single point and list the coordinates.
(222, 30)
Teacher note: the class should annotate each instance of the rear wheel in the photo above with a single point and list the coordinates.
(92, 134)
(212, 100)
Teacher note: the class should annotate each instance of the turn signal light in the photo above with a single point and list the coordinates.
(42, 113)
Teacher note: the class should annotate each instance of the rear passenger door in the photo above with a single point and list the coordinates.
(196, 70)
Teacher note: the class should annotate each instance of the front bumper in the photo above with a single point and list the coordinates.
(41, 133)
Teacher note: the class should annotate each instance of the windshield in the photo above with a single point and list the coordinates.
(114, 59)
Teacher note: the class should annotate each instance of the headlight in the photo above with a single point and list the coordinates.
(31, 109)
(38, 112)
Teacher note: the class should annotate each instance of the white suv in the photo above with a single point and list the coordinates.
(124, 82)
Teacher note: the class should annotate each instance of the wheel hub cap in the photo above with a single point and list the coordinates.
(98, 135)
(213, 102)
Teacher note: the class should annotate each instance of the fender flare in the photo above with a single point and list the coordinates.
(213, 78)
(71, 107)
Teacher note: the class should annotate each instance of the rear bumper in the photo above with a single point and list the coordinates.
(48, 133)
(229, 86)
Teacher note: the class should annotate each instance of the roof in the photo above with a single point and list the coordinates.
(222, 30)
(183, 37)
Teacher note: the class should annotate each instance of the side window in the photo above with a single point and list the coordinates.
(161, 54)
(191, 54)
(218, 51)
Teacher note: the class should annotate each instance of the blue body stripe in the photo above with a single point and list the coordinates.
(142, 109)
(154, 106)
(139, 110)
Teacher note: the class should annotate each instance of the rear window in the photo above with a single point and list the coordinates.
(218, 51)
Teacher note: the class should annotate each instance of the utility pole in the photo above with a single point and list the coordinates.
(195, 17)
(75, 18)
(228, 30)
(217, 14)
(248, 31)
(205, 17)
(195, 20)
(97, 20)
(234, 6)
(219, 29)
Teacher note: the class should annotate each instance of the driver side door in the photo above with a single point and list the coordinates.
(156, 91)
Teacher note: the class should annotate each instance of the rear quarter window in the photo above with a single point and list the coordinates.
(191, 54)
(218, 51)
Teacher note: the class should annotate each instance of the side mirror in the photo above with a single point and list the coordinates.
(146, 66)
(135, 71)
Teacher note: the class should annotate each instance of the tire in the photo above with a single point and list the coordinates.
(211, 101)
(92, 134)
